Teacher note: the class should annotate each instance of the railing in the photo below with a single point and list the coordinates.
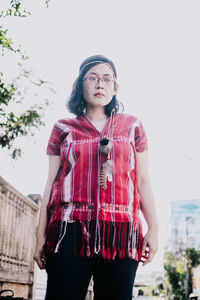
(18, 218)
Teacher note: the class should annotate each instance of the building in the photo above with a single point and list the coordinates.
(185, 229)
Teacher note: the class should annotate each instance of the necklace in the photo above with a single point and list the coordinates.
(105, 148)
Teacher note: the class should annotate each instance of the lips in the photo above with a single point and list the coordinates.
(99, 94)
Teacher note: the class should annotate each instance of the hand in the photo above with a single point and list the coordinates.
(150, 246)
(39, 256)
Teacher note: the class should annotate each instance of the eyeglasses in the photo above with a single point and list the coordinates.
(94, 79)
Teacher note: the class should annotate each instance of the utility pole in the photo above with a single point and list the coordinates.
(188, 263)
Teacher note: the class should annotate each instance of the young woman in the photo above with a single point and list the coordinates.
(98, 181)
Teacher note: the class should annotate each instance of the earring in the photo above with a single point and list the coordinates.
(82, 108)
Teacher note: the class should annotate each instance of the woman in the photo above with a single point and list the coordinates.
(98, 181)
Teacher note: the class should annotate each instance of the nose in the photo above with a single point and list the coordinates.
(100, 83)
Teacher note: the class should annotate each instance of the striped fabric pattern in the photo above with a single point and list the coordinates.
(109, 217)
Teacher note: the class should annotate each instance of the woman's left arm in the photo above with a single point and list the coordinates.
(150, 243)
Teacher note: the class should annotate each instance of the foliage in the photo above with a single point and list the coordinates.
(179, 271)
(15, 9)
(16, 120)
(193, 257)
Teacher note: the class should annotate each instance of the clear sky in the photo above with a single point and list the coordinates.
(155, 47)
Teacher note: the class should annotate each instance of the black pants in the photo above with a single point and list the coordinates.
(68, 276)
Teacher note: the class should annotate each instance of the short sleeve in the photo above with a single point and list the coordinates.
(56, 138)
(140, 138)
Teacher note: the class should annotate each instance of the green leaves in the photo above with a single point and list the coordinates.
(6, 93)
(5, 42)
(18, 116)
(15, 10)
(193, 257)
(16, 126)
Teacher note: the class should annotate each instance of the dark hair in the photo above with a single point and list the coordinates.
(76, 103)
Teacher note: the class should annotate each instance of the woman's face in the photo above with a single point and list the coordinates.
(99, 86)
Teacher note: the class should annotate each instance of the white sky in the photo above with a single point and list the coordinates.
(155, 47)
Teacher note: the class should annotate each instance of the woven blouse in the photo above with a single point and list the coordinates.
(109, 218)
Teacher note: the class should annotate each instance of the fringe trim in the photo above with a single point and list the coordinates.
(117, 240)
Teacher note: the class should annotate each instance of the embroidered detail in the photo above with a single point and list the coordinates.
(79, 206)
(110, 207)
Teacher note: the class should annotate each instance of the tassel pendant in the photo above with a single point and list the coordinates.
(106, 173)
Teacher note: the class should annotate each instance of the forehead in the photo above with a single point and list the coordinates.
(101, 69)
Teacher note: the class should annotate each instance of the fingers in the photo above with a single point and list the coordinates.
(145, 255)
(149, 247)
(40, 260)
(147, 260)
(148, 256)
(144, 246)
(39, 255)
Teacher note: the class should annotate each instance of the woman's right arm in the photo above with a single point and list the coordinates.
(54, 164)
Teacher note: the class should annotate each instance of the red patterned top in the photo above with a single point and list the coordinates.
(109, 217)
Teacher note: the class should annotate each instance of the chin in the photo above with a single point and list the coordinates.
(100, 103)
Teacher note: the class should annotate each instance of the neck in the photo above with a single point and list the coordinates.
(96, 114)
